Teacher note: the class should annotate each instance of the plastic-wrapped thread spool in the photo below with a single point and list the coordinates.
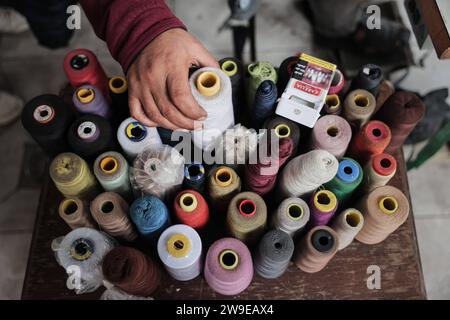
(191, 209)
(118, 91)
(337, 83)
(228, 266)
(369, 78)
(333, 105)
(180, 250)
(348, 178)
(292, 216)
(347, 225)
(223, 184)
(89, 99)
(323, 207)
(378, 172)
(76, 213)
(72, 177)
(359, 106)
(47, 118)
(194, 177)
(331, 133)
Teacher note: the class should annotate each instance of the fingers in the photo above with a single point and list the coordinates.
(138, 113)
(206, 59)
(152, 111)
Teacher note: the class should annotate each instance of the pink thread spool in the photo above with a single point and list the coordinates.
(333, 134)
(323, 206)
(228, 266)
(337, 83)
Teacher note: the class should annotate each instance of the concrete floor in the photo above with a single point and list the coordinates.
(28, 70)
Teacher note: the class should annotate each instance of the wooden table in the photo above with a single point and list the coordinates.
(344, 278)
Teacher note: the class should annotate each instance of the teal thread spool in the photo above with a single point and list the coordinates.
(347, 179)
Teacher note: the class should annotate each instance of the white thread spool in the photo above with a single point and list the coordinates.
(291, 216)
(211, 88)
(347, 225)
(180, 250)
(134, 137)
(305, 173)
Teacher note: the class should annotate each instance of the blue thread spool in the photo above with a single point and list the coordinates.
(194, 177)
(347, 179)
(265, 103)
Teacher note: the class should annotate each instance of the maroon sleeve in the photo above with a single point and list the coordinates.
(128, 26)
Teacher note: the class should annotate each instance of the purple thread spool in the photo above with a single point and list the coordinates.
(88, 99)
(323, 207)
(228, 266)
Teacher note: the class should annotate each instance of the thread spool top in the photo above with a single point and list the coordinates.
(118, 85)
(333, 101)
(223, 177)
(194, 171)
(384, 164)
(322, 240)
(282, 131)
(229, 67)
(79, 61)
(294, 212)
(135, 131)
(85, 95)
(81, 249)
(229, 259)
(69, 207)
(109, 165)
(107, 207)
(349, 171)
(325, 201)
(247, 208)
(371, 71)
(188, 202)
(353, 218)
(388, 205)
(87, 130)
(43, 114)
(377, 130)
(361, 100)
(178, 245)
(66, 167)
(208, 83)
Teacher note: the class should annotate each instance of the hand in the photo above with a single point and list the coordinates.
(159, 91)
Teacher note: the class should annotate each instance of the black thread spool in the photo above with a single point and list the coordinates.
(369, 78)
(233, 68)
(285, 71)
(47, 119)
(91, 135)
(118, 91)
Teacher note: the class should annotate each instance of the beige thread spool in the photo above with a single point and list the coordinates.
(347, 225)
(223, 185)
(359, 106)
(385, 209)
(76, 213)
(316, 249)
(110, 211)
(378, 172)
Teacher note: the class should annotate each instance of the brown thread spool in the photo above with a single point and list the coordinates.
(247, 217)
(386, 90)
(359, 106)
(347, 225)
(223, 185)
(316, 249)
(76, 213)
(385, 209)
(110, 211)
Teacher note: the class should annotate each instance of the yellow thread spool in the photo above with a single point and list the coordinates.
(85, 95)
(223, 177)
(208, 83)
(178, 245)
(69, 206)
(294, 212)
(353, 218)
(109, 165)
(325, 201)
(118, 85)
(388, 205)
(229, 67)
(282, 131)
(188, 202)
(228, 259)
(332, 101)
(361, 101)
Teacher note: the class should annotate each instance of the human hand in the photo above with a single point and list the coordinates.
(159, 91)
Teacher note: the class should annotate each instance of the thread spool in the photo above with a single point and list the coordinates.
(359, 107)
(84, 248)
(236, 145)
(369, 78)
(333, 105)
(134, 137)
(228, 266)
(257, 176)
(305, 173)
(223, 184)
(211, 88)
(291, 216)
(180, 250)
(284, 128)
(233, 68)
(385, 209)
(323, 206)
(158, 171)
(378, 172)
(273, 254)
(256, 74)
(337, 84)
(347, 225)
(285, 71)
(76, 213)
(110, 211)
(47, 118)
(112, 171)
(90, 136)
(316, 249)
(132, 271)
(264, 103)
(386, 90)
(247, 217)
(89, 100)
(331, 133)
(401, 112)
(72, 176)
(150, 216)
(82, 67)
(371, 140)
(194, 177)
(347, 179)
(191, 209)
(118, 92)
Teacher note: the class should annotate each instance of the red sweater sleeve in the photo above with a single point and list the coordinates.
(128, 26)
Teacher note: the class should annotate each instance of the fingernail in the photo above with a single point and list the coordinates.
(201, 119)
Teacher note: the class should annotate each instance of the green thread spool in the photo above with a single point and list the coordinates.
(223, 185)
(347, 179)
(259, 72)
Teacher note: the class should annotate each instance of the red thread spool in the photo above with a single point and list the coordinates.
(191, 209)
(372, 139)
(82, 67)
(384, 164)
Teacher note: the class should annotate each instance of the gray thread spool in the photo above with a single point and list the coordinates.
(273, 254)
(291, 216)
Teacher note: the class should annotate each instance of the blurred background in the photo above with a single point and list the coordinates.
(283, 28)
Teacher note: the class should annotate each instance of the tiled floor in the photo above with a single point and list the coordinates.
(29, 70)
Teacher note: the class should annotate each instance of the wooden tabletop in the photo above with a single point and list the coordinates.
(345, 277)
